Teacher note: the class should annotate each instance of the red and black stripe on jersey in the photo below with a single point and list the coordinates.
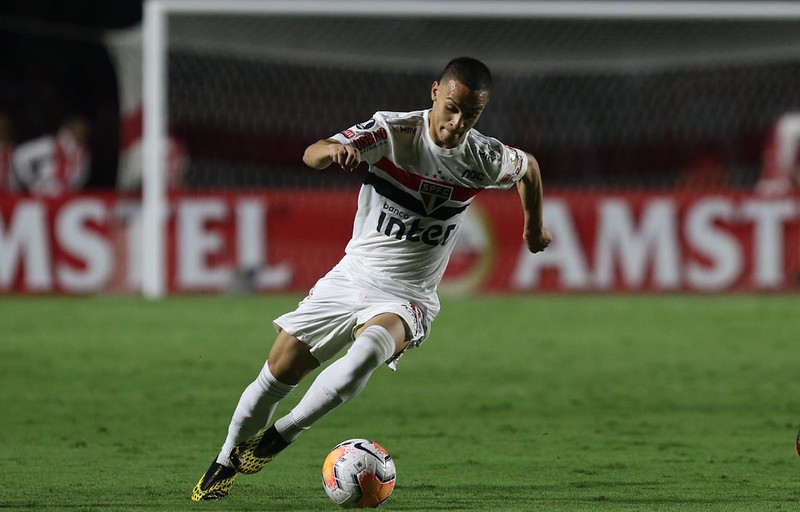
(410, 183)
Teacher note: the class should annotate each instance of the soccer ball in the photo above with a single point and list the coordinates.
(358, 473)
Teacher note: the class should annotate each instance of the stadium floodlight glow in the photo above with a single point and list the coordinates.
(156, 31)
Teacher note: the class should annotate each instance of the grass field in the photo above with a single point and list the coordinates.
(561, 403)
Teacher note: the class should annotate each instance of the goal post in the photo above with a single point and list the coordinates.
(492, 29)
(154, 199)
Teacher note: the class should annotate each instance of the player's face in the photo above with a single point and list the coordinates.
(456, 109)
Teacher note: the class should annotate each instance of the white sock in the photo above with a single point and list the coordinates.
(343, 380)
(254, 410)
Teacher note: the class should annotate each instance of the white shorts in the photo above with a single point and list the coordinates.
(326, 320)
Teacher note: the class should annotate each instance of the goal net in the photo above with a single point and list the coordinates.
(623, 101)
(628, 95)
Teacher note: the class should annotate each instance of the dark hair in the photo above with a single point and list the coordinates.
(470, 72)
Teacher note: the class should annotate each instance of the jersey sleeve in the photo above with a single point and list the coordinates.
(513, 166)
(371, 138)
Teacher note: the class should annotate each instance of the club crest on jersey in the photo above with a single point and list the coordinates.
(434, 194)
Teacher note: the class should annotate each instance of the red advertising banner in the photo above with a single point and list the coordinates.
(286, 239)
(651, 242)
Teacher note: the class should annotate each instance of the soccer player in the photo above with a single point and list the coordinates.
(55, 164)
(780, 173)
(425, 168)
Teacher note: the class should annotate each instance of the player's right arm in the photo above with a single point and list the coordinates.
(325, 152)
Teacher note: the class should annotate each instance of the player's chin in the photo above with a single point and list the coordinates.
(451, 139)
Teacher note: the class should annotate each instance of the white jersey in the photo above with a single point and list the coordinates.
(413, 201)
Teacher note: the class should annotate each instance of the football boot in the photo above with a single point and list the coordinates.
(252, 454)
(215, 483)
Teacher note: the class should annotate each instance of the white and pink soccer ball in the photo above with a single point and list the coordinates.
(358, 473)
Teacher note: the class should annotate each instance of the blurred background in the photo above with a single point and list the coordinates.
(634, 108)
(55, 66)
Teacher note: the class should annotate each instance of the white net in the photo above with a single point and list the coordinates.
(600, 102)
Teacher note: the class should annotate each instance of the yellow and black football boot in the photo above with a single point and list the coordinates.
(251, 455)
(215, 483)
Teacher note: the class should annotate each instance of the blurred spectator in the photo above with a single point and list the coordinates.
(780, 171)
(7, 182)
(53, 165)
(129, 177)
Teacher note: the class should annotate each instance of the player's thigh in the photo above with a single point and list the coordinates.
(324, 320)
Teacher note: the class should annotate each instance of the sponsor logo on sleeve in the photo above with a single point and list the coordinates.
(515, 159)
(349, 133)
(366, 125)
(370, 139)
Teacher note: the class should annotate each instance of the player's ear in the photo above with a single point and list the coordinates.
(434, 90)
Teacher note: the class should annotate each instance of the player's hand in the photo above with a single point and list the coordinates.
(346, 157)
(538, 241)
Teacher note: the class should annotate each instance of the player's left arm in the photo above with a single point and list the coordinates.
(536, 236)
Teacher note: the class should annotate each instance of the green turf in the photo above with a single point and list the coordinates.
(559, 403)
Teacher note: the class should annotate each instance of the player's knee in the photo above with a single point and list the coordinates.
(290, 360)
(373, 347)
(394, 325)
